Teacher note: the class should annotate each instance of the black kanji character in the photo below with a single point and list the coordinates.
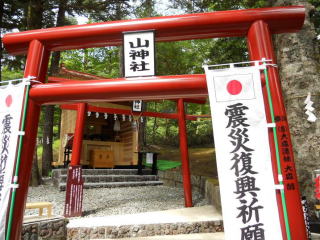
(246, 212)
(284, 136)
(139, 45)
(290, 186)
(134, 66)
(253, 232)
(282, 129)
(236, 115)
(289, 176)
(245, 160)
(287, 159)
(3, 162)
(6, 124)
(285, 151)
(138, 54)
(241, 137)
(277, 118)
(285, 144)
(246, 184)
(5, 144)
(288, 168)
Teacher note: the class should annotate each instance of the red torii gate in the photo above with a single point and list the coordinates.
(257, 25)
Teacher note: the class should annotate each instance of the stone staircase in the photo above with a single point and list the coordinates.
(108, 178)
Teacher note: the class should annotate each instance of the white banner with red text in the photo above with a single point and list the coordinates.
(247, 188)
(11, 101)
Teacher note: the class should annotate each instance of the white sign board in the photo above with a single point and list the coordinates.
(137, 106)
(11, 99)
(138, 48)
(247, 188)
(149, 158)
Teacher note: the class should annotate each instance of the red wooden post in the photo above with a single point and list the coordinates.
(73, 203)
(260, 46)
(78, 134)
(184, 154)
(36, 66)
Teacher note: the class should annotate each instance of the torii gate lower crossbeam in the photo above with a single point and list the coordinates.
(256, 24)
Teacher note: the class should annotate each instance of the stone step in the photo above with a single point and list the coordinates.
(56, 173)
(62, 186)
(194, 236)
(203, 219)
(113, 178)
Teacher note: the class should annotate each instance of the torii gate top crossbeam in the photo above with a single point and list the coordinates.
(169, 28)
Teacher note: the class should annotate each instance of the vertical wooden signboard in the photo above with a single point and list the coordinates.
(74, 192)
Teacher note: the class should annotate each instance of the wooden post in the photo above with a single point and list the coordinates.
(184, 154)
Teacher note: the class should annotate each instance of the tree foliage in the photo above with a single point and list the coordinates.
(182, 57)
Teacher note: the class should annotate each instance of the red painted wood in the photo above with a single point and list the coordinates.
(78, 134)
(36, 66)
(92, 108)
(169, 28)
(122, 89)
(184, 154)
(61, 80)
(260, 46)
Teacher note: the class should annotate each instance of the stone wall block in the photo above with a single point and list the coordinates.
(85, 233)
(168, 182)
(178, 176)
(73, 234)
(169, 175)
(161, 174)
(98, 233)
(30, 232)
(195, 181)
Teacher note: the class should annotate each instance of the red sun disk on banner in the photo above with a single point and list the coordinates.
(234, 87)
(8, 100)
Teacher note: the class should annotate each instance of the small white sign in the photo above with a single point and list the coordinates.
(138, 48)
(137, 106)
(149, 158)
(248, 193)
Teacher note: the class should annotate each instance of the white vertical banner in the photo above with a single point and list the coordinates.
(11, 100)
(248, 193)
(139, 54)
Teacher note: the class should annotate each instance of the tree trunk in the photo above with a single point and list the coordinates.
(34, 20)
(166, 137)
(155, 125)
(35, 11)
(47, 154)
(142, 128)
(298, 60)
(35, 175)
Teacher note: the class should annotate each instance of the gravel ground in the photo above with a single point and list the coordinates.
(114, 201)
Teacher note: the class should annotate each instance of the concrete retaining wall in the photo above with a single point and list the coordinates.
(208, 187)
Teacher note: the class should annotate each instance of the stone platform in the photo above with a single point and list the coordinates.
(195, 236)
(170, 222)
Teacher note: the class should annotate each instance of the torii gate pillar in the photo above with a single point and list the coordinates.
(260, 46)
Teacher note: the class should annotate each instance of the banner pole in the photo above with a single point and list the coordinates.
(275, 137)
(15, 178)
